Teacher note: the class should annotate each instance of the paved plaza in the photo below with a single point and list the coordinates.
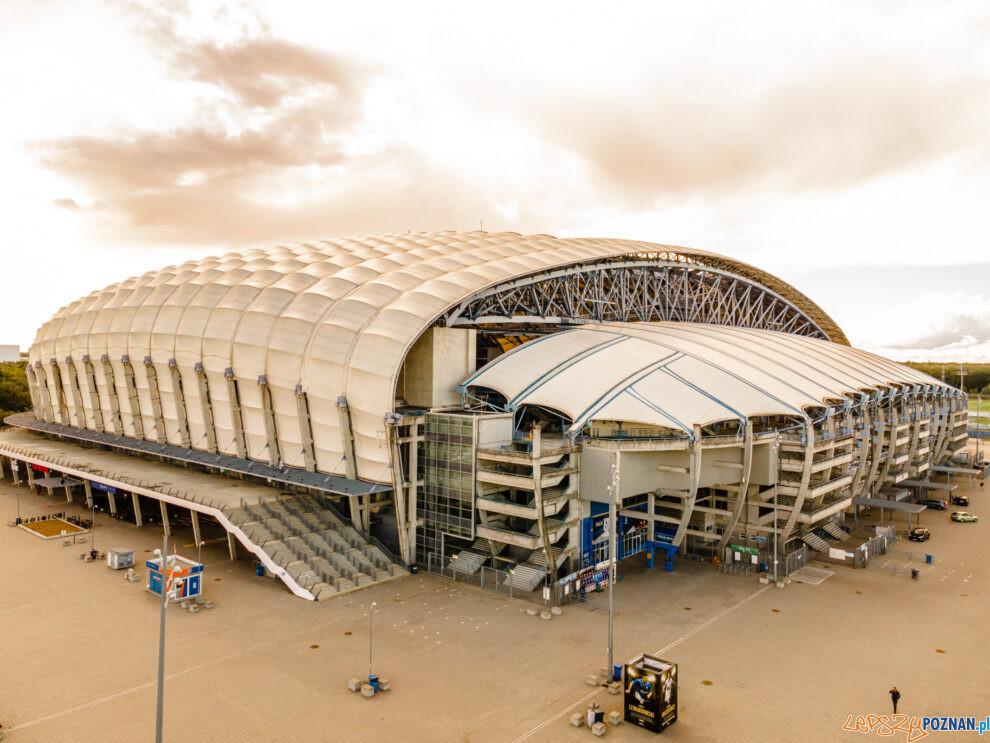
(80, 644)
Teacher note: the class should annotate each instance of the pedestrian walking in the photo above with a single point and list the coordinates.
(894, 696)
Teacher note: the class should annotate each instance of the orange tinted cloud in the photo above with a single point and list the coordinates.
(836, 128)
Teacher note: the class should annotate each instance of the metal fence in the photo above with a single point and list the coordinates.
(796, 560)
(632, 542)
(874, 547)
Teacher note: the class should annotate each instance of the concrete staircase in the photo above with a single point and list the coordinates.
(315, 546)
(815, 542)
(526, 576)
(467, 562)
(834, 530)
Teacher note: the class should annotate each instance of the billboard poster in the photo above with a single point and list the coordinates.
(668, 696)
(650, 699)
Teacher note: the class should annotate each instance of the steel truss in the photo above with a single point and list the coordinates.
(634, 289)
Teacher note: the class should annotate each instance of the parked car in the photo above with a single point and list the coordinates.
(919, 534)
(962, 516)
(960, 500)
(937, 503)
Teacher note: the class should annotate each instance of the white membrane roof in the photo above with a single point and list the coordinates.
(334, 317)
(679, 375)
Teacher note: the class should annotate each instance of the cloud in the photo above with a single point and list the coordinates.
(957, 330)
(829, 129)
(69, 204)
(282, 119)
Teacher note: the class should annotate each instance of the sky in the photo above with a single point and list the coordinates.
(842, 146)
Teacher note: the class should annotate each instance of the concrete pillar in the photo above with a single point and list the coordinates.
(30, 475)
(68, 493)
(168, 532)
(14, 467)
(232, 545)
(113, 503)
(137, 509)
(194, 517)
(1, 468)
(87, 486)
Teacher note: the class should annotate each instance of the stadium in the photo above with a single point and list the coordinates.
(353, 409)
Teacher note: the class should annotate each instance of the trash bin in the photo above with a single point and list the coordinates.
(914, 573)
(259, 570)
(373, 682)
(414, 569)
(617, 672)
(929, 559)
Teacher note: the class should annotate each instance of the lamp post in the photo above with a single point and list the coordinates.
(612, 522)
(162, 555)
(92, 530)
(777, 446)
(371, 635)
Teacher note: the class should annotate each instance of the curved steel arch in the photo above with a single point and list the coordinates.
(641, 288)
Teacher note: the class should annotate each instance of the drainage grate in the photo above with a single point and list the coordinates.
(812, 576)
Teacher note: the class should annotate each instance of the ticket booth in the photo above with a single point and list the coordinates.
(183, 577)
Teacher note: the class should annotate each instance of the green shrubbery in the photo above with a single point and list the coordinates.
(14, 394)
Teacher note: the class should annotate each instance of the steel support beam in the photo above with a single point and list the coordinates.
(743, 493)
(112, 395)
(132, 398)
(207, 406)
(271, 431)
(156, 401)
(305, 429)
(234, 399)
(180, 403)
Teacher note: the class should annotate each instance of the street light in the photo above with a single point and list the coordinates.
(777, 452)
(612, 523)
(163, 556)
(92, 530)
(371, 636)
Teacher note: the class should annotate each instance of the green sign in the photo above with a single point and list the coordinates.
(750, 550)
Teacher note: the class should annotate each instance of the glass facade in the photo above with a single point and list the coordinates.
(446, 502)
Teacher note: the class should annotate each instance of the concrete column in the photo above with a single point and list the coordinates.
(88, 487)
(136, 499)
(68, 494)
(194, 517)
(651, 507)
(168, 532)
(14, 467)
(355, 506)
(30, 475)
(1, 468)
(113, 503)
(232, 545)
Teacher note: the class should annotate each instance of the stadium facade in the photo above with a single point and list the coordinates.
(483, 398)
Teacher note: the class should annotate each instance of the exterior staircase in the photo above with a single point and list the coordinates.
(467, 561)
(527, 576)
(833, 529)
(315, 546)
(815, 542)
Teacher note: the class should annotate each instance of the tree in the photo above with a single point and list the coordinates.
(14, 394)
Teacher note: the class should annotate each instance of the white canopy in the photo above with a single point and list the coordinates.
(334, 317)
(679, 375)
